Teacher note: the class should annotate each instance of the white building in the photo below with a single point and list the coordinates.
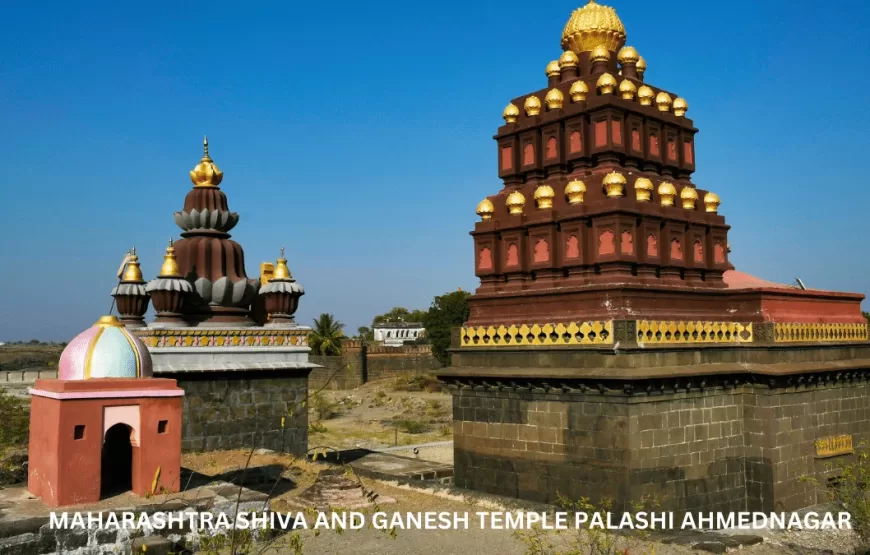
(396, 334)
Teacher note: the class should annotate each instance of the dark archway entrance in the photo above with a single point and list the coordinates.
(116, 470)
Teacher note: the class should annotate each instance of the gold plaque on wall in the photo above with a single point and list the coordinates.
(834, 445)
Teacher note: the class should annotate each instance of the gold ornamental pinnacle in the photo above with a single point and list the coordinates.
(206, 173)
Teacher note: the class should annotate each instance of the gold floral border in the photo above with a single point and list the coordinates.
(815, 333)
(520, 335)
(676, 332)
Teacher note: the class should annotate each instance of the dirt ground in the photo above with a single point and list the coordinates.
(381, 415)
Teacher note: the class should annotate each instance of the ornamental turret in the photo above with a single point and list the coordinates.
(130, 294)
(281, 294)
(169, 290)
(207, 257)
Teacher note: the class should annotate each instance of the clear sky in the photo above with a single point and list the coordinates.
(359, 136)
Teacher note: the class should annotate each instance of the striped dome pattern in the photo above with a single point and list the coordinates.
(105, 350)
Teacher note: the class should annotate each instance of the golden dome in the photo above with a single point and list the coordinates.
(614, 184)
(599, 54)
(663, 102)
(593, 25)
(515, 202)
(511, 113)
(574, 191)
(281, 269)
(628, 55)
(645, 95)
(133, 272)
(680, 106)
(485, 209)
(578, 91)
(554, 99)
(643, 189)
(206, 173)
(689, 195)
(170, 265)
(627, 89)
(640, 66)
(544, 196)
(667, 192)
(532, 106)
(568, 59)
(606, 84)
(712, 202)
(553, 69)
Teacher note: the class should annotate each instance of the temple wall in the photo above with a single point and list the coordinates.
(236, 410)
(724, 449)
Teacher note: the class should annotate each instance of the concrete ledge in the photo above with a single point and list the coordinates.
(231, 367)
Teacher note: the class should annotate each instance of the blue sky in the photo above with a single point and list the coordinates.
(359, 136)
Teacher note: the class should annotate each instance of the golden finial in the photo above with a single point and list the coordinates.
(281, 269)
(645, 95)
(515, 202)
(485, 209)
(680, 106)
(574, 191)
(689, 195)
(712, 202)
(663, 102)
(627, 55)
(553, 69)
(544, 196)
(206, 173)
(533, 106)
(599, 54)
(627, 89)
(511, 113)
(554, 99)
(133, 272)
(170, 265)
(568, 59)
(667, 192)
(614, 184)
(606, 84)
(640, 66)
(578, 91)
(643, 189)
(591, 26)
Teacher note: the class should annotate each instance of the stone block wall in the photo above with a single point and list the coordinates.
(233, 410)
(725, 448)
(781, 428)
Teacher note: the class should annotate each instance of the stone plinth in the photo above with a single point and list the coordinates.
(243, 386)
(701, 426)
(69, 425)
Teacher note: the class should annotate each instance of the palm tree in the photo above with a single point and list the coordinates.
(325, 338)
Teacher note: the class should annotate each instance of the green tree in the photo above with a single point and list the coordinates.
(447, 312)
(867, 315)
(400, 313)
(326, 337)
(365, 333)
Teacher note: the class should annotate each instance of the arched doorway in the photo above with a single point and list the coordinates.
(116, 470)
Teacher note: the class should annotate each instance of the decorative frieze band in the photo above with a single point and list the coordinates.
(815, 333)
(670, 332)
(223, 338)
(657, 332)
(573, 333)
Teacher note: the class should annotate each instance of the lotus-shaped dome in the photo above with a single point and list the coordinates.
(105, 350)
(591, 25)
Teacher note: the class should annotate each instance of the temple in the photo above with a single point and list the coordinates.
(230, 341)
(612, 349)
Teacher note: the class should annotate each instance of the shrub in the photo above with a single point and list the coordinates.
(317, 428)
(412, 426)
(324, 408)
(417, 382)
(14, 420)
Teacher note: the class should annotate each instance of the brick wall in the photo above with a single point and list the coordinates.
(376, 362)
(230, 410)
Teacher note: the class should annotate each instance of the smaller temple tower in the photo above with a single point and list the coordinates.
(105, 426)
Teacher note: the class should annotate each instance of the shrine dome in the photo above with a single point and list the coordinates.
(593, 25)
(105, 350)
